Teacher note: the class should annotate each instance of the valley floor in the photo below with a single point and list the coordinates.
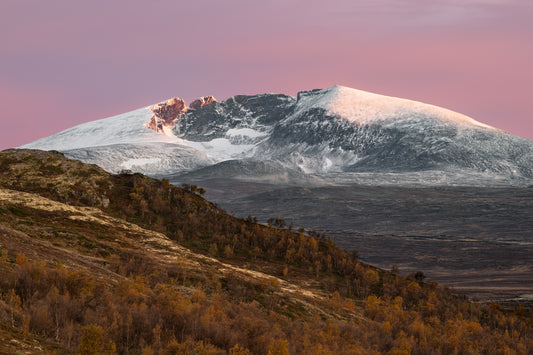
(479, 241)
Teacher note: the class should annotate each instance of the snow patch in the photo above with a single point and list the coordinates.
(167, 131)
(244, 132)
(222, 149)
(327, 164)
(129, 164)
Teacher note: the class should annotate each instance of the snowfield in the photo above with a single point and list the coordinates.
(363, 108)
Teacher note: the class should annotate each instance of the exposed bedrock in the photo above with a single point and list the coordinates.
(201, 102)
(167, 113)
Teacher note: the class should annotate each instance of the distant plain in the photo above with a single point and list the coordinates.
(478, 241)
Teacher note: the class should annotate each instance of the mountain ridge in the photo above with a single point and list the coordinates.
(319, 132)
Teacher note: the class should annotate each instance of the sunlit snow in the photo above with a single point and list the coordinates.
(124, 128)
(363, 107)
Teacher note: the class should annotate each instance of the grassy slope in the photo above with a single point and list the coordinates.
(114, 248)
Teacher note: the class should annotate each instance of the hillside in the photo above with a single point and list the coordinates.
(129, 264)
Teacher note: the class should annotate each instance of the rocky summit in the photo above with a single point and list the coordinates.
(167, 113)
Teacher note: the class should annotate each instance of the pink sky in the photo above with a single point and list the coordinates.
(68, 62)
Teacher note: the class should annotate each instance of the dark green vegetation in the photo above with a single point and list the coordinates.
(477, 240)
(100, 263)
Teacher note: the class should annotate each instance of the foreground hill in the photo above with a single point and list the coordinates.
(99, 263)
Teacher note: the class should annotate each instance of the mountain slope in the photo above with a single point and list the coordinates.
(321, 132)
(342, 129)
(152, 158)
(120, 129)
(248, 170)
(125, 263)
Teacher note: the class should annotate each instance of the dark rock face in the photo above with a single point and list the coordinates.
(166, 114)
(259, 112)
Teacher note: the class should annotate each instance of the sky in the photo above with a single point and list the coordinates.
(66, 62)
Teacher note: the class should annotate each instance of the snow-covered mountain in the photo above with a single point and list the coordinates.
(336, 134)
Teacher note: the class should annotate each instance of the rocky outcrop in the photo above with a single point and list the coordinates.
(167, 113)
(201, 102)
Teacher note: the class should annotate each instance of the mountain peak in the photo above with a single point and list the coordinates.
(363, 107)
(338, 130)
(201, 102)
(166, 113)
